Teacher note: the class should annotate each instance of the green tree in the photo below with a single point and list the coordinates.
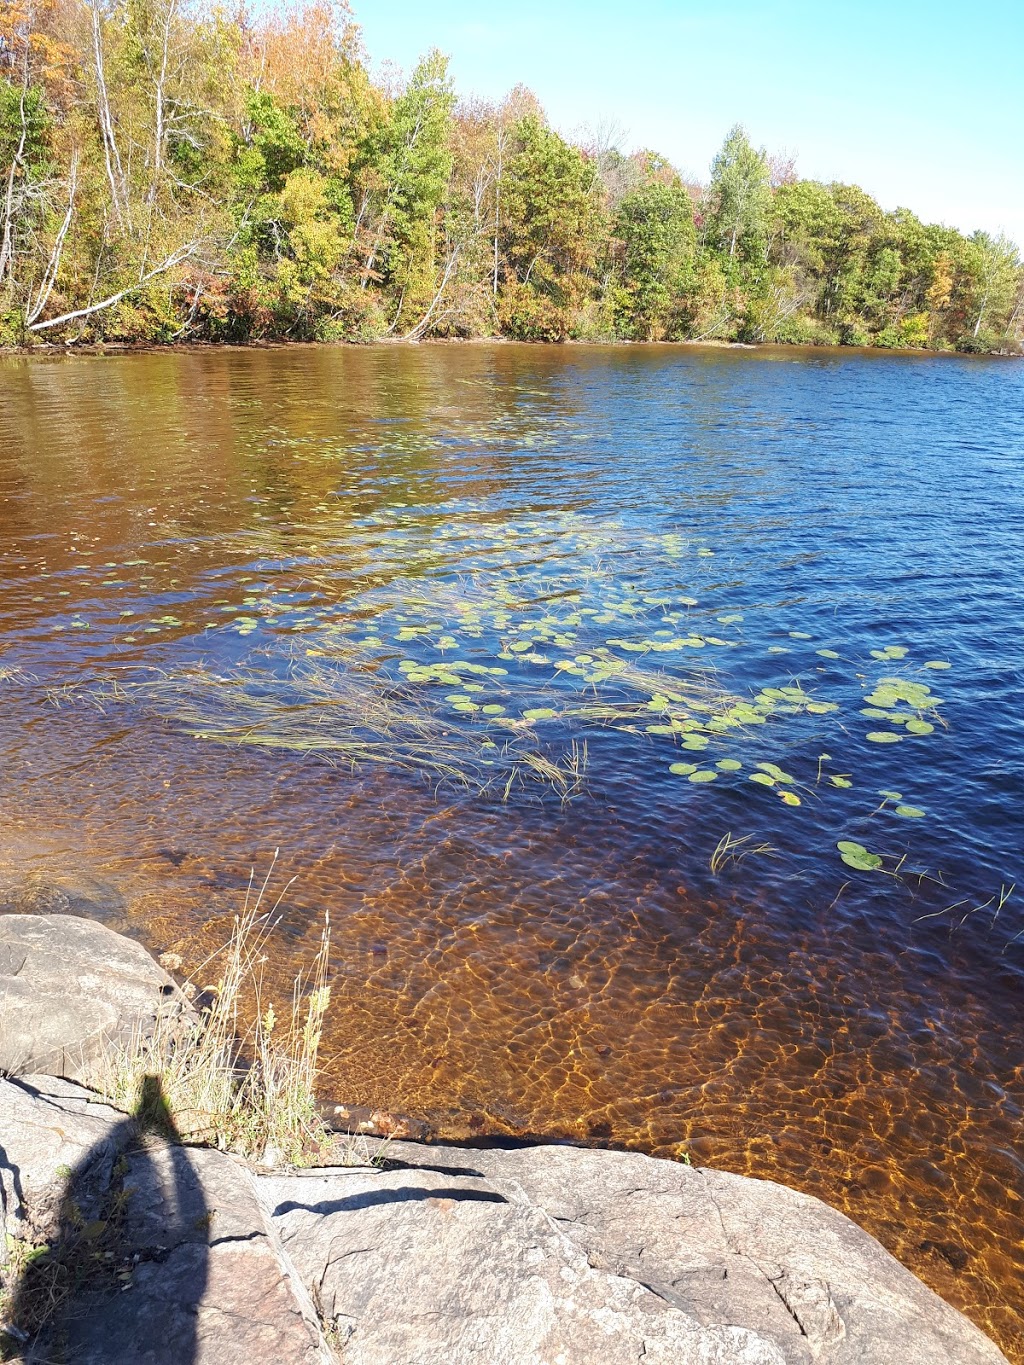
(655, 227)
(993, 270)
(740, 198)
(406, 169)
(552, 230)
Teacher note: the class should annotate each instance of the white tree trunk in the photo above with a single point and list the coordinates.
(175, 258)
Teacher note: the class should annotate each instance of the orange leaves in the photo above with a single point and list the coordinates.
(36, 34)
(308, 56)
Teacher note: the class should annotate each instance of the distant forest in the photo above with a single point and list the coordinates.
(172, 171)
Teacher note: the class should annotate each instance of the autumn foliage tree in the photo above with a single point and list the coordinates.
(172, 170)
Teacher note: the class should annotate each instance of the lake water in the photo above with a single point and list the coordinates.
(558, 675)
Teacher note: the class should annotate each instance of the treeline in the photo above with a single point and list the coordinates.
(170, 171)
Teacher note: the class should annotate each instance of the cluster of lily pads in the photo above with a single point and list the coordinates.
(481, 649)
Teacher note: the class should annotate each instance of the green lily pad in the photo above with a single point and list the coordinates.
(840, 782)
(703, 775)
(890, 652)
(937, 664)
(682, 769)
(883, 737)
(774, 771)
(891, 691)
(539, 713)
(729, 765)
(857, 856)
(919, 727)
(911, 812)
(763, 779)
(695, 742)
(828, 653)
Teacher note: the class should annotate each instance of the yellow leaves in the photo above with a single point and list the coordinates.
(308, 56)
(313, 231)
(303, 198)
(941, 289)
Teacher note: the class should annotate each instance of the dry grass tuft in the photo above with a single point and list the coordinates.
(242, 1076)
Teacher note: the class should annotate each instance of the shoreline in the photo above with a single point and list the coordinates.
(51, 350)
(514, 1256)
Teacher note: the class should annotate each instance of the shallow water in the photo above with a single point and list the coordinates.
(301, 599)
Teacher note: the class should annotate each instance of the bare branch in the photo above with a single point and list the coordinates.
(53, 265)
(7, 247)
(175, 258)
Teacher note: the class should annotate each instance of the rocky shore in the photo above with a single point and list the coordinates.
(146, 1252)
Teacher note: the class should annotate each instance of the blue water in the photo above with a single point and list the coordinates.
(217, 567)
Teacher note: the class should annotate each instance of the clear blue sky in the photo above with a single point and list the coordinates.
(922, 104)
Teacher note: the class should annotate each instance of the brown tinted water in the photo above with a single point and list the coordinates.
(226, 578)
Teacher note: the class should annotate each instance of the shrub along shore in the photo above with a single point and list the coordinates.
(173, 173)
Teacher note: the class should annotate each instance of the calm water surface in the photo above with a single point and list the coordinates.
(546, 670)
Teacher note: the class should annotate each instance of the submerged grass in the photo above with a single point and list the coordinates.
(730, 849)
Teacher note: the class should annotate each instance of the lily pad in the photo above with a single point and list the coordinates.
(703, 775)
(937, 664)
(763, 779)
(539, 713)
(883, 737)
(729, 765)
(857, 856)
(890, 652)
(790, 798)
(682, 769)
(919, 727)
(695, 742)
(911, 812)
(774, 771)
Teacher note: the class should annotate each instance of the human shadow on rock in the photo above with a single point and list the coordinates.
(122, 1281)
